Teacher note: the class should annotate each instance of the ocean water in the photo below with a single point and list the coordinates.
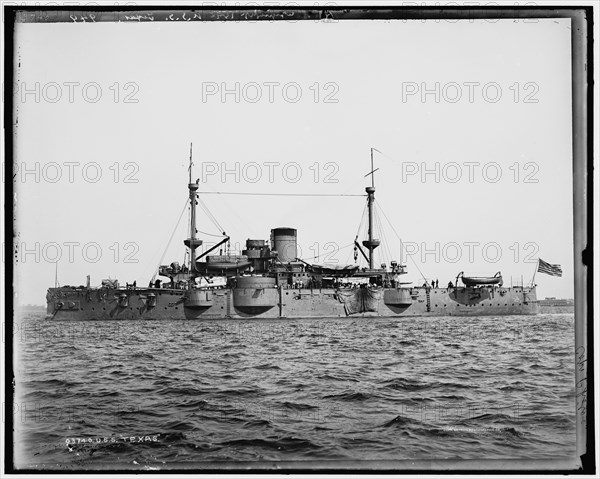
(150, 394)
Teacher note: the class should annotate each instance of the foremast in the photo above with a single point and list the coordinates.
(192, 242)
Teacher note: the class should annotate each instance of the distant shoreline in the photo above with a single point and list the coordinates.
(556, 302)
(31, 307)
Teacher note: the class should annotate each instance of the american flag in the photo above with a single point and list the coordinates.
(547, 268)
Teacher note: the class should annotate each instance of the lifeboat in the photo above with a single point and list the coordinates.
(480, 280)
(223, 263)
(333, 269)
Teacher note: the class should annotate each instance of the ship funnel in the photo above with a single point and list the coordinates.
(284, 241)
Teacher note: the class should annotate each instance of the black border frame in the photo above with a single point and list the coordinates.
(582, 42)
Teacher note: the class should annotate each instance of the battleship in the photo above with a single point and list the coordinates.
(269, 280)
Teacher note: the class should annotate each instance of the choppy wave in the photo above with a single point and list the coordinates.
(358, 388)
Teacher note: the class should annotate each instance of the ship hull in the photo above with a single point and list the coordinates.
(282, 303)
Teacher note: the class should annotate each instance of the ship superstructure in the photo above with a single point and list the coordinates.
(269, 280)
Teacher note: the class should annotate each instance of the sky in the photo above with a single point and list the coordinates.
(471, 121)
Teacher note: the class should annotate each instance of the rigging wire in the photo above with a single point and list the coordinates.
(383, 236)
(362, 221)
(385, 249)
(398, 236)
(390, 223)
(170, 239)
(210, 234)
(365, 218)
(234, 212)
(209, 214)
(275, 194)
(360, 229)
(386, 156)
(378, 234)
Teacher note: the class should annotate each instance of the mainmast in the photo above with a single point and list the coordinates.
(371, 243)
(192, 242)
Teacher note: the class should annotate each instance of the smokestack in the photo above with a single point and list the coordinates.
(284, 241)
